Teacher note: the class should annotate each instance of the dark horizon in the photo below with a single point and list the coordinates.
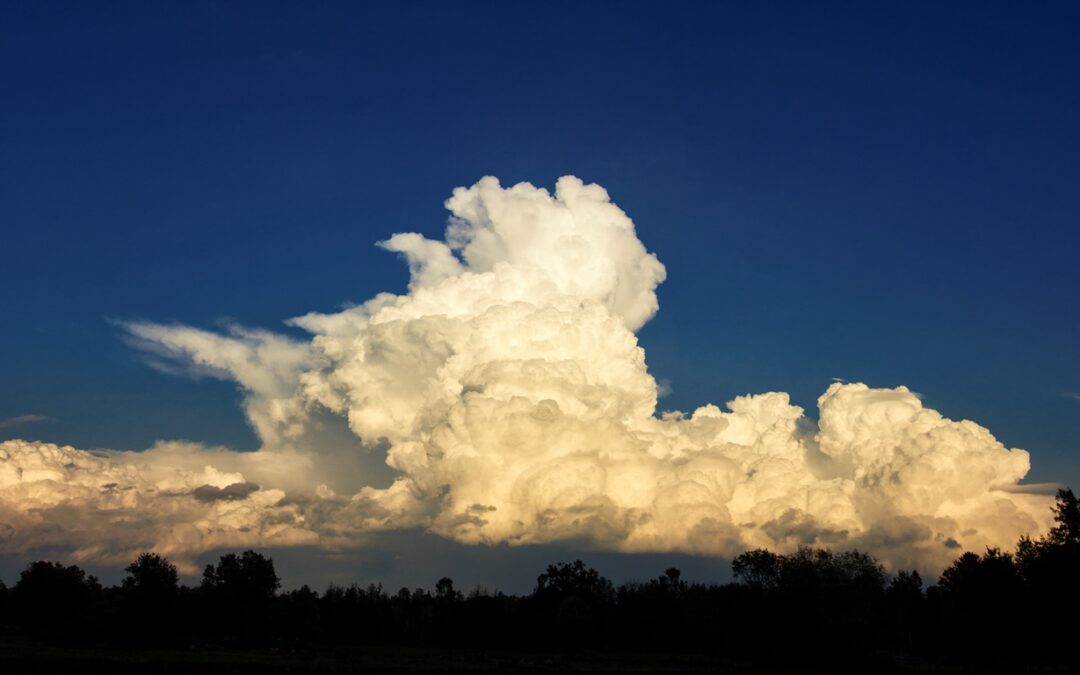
(835, 609)
(498, 568)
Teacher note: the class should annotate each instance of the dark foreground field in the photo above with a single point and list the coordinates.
(17, 656)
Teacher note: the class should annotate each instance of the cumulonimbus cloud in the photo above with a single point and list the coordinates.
(505, 398)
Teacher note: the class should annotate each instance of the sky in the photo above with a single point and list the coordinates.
(880, 193)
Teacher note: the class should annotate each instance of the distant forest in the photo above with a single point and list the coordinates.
(811, 608)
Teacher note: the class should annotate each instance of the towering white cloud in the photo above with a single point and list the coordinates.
(513, 403)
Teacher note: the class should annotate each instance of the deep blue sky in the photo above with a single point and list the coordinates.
(884, 192)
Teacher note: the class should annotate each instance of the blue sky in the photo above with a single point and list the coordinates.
(881, 192)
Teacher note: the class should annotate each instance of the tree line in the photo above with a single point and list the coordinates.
(811, 607)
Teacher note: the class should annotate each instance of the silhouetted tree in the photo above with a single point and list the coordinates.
(249, 576)
(356, 614)
(240, 589)
(1060, 545)
(1067, 516)
(652, 612)
(574, 579)
(758, 568)
(574, 599)
(1050, 568)
(148, 596)
(671, 582)
(906, 609)
(54, 598)
(971, 597)
(818, 598)
(444, 590)
(151, 576)
(299, 614)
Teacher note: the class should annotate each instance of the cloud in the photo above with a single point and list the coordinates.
(231, 492)
(179, 499)
(1072, 395)
(21, 419)
(266, 366)
(108, 506)
(505, 399)
(664, 388)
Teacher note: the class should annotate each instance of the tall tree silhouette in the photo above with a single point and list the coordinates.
(972, 596)
(55, 598)
(574, 579)
(575, 599)
(152, 576)
(149, 593)
(249, 577)
(1050, 568)
(906, 608)
(240, 590)
(758, 568)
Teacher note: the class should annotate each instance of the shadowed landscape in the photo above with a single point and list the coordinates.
(812, 609)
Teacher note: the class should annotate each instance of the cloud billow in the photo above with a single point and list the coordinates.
(513, 403)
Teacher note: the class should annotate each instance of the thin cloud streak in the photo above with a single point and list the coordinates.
(22, 419)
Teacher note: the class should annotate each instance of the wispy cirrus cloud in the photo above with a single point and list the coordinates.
(21, 419)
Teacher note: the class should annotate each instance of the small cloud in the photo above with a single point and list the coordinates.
(22, 419)
(1071, 394)
(840, 380)
(663, 388)
(229, 493)
(1033, 488)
